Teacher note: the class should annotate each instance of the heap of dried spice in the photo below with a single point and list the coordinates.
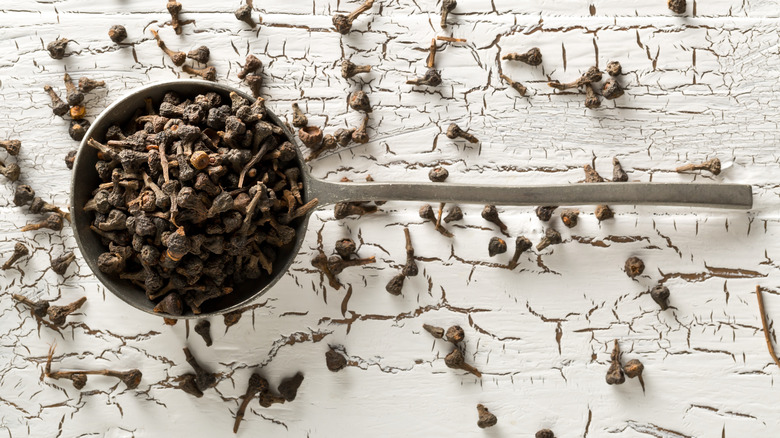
(199, 194)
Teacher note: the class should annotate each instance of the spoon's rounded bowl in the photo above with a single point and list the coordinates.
(85, 180)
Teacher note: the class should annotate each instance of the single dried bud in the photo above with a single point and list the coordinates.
(496, 246)
(611, 89)
(170, 305)
(490, 214)
(79, 380)
(660, 294)
(343, 23)
(244, 13)
(603, 212)
(289, 386)
(78, 128)
(255, 83)
(531, 57)
(544, 213)
(203, 328)
(396, 284)
(713, 166)
(11, 171)
(200, 160)
(344, 209)
(633, 368)
(551, 237)
(486, 419)
(455, 334)
(520, 88)
(203, 378)
(311, 136)
(208, 73)
(19, 251)
(53, 221)
(299, 118)
(252, 64)
(256, 384)
(522, 244)
(592, 100)
(446, 7)
(455, 214)
(60, 264)
(343, 136)
(23, 195)
(86, 84)
(57, 314)
(73, 95)
(591, 176)
(178, 58)
(454, 131)
(346, 248)
(349, 69)
(200, 54)
(187, 384)
(360, 135)
(456, 360)
(544, 433)
(438, 174)
(78, 112)
(335, 360)
(593, 74)
(117, 33)
(618, 174)
(634, 267)
(56, 48)
(676, 6)
(431, 78)
(615, 374)
(570, 218)
(436, 332)
(58, 106)
(174, 8)
(11, 146)
(614, 69)
(358, 101)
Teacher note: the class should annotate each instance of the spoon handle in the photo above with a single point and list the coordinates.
(738, 196)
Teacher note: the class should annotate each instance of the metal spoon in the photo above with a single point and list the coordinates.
(85, 180)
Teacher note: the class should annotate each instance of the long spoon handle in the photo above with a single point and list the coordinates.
(736, 196)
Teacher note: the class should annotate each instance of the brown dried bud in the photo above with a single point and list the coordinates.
(117, 33)
(660, 294)
(438, 174)
(676, 6)
(436, 332)
(486, 419)
(455, 334)
(496, 246)
(335, 360)
(611, 89)
(614, 69)
(311, 136)
(570, 218)
(634, 267)
(358, 101)
(531, 57)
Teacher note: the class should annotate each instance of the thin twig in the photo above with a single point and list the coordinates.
(766, 330)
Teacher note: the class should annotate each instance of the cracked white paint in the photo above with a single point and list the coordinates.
(698, 86)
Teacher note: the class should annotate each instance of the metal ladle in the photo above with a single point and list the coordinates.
(85, 180)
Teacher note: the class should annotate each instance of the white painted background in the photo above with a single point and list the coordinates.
(700, 85)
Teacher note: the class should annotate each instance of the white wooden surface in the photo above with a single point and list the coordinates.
(700, 85)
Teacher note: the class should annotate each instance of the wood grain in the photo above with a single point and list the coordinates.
(697, 86)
